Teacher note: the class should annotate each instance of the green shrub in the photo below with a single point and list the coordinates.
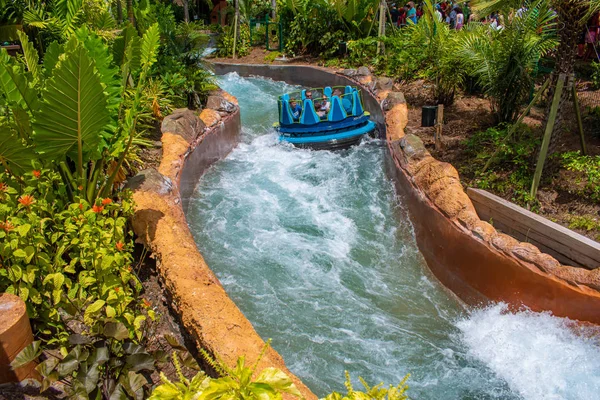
(225, 42)
(66, 256)
(269, 58)
(596, 74)
(588, 177)
(511, 172)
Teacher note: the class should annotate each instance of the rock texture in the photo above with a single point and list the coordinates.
(205, 309)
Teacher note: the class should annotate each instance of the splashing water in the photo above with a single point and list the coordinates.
(318, 253)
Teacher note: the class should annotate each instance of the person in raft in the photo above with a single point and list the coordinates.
(324, 109)
(308, 94)
(296, 109)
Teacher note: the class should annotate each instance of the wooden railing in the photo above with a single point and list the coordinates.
(566, 246)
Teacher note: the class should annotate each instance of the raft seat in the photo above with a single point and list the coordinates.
(337, 112)
(286, 117)
(327, 91)
(357, 108)
(309, 115)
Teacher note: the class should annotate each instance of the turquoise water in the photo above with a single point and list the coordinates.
(319, 254)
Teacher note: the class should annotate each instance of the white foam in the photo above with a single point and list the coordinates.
(538, 355)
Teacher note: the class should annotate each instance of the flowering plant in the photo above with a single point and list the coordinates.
(67, 261)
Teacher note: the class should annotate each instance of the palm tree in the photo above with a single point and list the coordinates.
(571, 17)
(130, 12)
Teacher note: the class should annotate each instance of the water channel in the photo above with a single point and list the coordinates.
(318, 252)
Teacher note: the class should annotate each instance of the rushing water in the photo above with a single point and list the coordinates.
(319, 254)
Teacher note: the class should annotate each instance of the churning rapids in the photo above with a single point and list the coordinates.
(318, 253)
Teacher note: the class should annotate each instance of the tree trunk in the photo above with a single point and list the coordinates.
(570, 14)
(273, 9)
(119, 12)
(130, 12)
(186, 10)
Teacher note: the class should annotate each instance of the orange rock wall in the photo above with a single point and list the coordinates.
(205, 309)
(468, 255)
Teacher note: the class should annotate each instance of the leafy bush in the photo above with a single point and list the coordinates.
(225, 42)
(65, 256)
(505, 60)
(596, 75)
(236, 383)
(103, 363)
(511, 170)
(377, 392)
(588, 169)
(312, 27)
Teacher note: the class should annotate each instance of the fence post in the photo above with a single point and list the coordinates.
(579, 121)
(439, 124)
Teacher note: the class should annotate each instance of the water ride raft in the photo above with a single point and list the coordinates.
(343, 125)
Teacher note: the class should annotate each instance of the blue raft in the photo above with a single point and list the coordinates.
(342, 126)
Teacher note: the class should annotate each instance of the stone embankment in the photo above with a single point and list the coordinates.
(190, 144)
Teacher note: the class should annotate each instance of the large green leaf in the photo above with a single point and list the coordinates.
(12, 151)
(150, 44)
(73, 113)
(53, 51)
(98, 51)
(27, 355)
(32, 58)
(121, 43)
(14, 85)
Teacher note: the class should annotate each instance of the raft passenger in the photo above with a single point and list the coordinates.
(296, 109)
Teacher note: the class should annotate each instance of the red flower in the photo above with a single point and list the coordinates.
(97, 209)
(117, 289)
(37, 173)
(81, 206)
(26, 200)
(3, 187)
(120, 246)
(106, 201)
(80, 187)
(7, 226)
(146, 303)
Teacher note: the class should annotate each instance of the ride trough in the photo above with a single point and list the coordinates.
(343, 126)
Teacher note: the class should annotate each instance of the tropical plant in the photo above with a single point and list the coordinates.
(100, 364)
(571, 16)
(233, 383)
(377, 392)
(69, 112)
(358, 16)
(312, 26)
(504, 61)
(439, 46)
(225, 42)
(587, 169)
(66, 256)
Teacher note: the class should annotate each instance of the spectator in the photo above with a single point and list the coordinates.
(395, 14)
(460, 19)
(411, 13)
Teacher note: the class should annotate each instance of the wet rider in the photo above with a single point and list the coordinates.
(296, 109)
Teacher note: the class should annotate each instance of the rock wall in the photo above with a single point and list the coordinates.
(190, 145)
(468, 255)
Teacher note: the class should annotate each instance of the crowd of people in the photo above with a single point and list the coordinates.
(455, 14)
